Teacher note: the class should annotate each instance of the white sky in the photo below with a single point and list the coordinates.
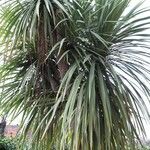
(133, 2)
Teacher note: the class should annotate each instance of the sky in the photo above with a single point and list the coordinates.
(133, 2)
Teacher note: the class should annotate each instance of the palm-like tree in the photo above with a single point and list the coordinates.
(77, 71)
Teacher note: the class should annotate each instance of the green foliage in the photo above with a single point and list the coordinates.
(146, 148)
(7, 144)
(77, 70)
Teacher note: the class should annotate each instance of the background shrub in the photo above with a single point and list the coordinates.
(7, 144)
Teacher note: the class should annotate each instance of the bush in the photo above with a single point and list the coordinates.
(7, 144)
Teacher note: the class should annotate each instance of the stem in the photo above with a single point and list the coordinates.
(42, 52)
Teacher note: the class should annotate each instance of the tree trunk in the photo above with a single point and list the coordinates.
(44, 65)
(2, 127)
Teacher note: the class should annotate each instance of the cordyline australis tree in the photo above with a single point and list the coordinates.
(77, 71)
